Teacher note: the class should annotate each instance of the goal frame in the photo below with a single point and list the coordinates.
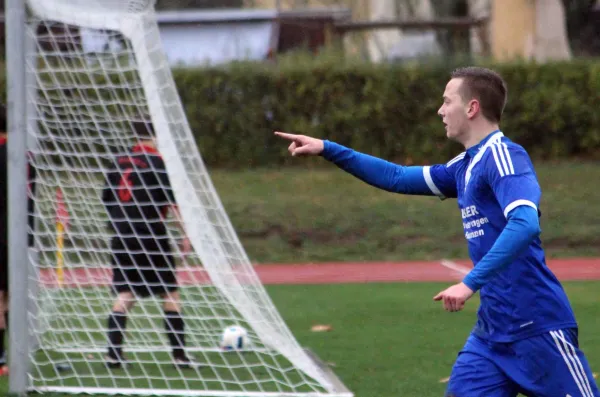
(21, 267)
(16, 41)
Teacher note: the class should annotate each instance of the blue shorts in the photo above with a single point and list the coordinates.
(546, 365)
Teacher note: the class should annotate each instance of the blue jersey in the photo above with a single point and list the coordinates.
(489, 180)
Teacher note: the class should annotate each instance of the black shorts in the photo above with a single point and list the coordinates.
(143, 267)
(3, 266)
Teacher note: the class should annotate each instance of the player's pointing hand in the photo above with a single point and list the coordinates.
(302, 145)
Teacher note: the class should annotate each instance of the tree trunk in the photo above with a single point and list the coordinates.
(551, 41)
(479, 37)
(381, 41)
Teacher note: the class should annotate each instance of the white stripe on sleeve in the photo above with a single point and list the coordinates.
(434, 189)
(518, 203)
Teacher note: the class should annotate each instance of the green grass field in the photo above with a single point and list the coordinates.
(313, 215)
(309, 214)
(392, 339)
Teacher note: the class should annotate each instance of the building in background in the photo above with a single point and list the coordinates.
(216, 36)
(527, 29)
(259, 29)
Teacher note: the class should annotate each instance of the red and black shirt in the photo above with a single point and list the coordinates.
(138, 193)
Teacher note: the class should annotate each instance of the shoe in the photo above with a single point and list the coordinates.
(185, 362)
(115, 363)
(4, 370)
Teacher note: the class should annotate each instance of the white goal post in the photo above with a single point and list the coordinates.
(78, 108)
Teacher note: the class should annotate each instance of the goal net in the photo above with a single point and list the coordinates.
(94, 68)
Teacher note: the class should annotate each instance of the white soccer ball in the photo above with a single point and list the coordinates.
(234, 338)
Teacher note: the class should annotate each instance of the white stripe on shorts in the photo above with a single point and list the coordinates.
(568, 354)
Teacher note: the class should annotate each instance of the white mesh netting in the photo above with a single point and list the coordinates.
(82, 104)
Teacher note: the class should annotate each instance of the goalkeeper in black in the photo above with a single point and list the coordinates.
(137, 196)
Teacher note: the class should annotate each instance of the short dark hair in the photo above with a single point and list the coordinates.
(485, 85)
(3, 118)
(143, 129)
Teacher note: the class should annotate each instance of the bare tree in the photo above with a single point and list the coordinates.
(550, 41)
(453, 42)
(583, 26)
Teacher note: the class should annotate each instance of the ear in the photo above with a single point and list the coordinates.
(472, 108)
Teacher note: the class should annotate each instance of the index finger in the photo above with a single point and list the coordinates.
(285, 135)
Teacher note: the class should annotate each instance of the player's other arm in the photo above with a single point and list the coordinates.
(186, 245)
(510, 175)
(521, 230)
(165, 184)
(376, 172)
(174, 208)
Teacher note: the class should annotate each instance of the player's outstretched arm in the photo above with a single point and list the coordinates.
(372, 170)
(186, 245)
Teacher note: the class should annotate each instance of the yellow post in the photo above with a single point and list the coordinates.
(62, 220)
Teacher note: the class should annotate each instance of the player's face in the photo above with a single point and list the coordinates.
(454, 111)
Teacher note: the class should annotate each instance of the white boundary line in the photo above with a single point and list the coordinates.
(455, 266)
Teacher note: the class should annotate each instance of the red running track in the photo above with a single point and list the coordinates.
(335, 273)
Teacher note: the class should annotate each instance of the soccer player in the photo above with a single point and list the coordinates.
(4, 284)
(137, 196)
(525, 339)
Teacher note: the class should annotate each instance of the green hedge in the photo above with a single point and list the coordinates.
(385, 110)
